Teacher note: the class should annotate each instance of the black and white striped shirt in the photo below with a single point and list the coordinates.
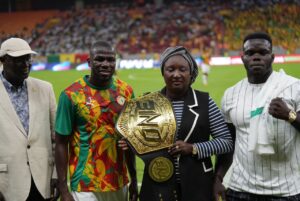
(277, 174)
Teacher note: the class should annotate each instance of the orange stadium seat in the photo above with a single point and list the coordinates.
(16, 22)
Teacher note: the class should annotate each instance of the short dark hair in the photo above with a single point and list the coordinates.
(102, 46)
(258, 35)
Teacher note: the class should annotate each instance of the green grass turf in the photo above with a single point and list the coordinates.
(148, 80)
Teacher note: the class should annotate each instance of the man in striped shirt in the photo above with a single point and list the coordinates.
(262, 112)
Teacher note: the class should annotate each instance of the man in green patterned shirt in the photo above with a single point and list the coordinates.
(86, 139)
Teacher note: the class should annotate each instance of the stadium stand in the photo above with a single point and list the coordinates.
(213, 26)
(23, 24)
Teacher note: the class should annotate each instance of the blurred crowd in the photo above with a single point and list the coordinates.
(215, 27)
(281, 21)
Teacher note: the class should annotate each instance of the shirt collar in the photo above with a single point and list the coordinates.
(8, 85)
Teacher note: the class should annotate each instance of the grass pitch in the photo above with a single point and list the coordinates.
(149, 80)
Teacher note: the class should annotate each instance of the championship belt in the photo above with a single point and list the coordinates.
(148, 123)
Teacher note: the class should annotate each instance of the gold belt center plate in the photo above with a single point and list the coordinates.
(148, 123)
(161, 169)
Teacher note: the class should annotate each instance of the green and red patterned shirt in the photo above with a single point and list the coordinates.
(89, 114)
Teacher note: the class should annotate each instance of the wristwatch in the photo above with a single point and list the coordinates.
(195, 150)
(292, 116)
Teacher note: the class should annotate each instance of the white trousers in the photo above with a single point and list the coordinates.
(120, 195)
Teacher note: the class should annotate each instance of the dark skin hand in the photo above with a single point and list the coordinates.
(223, 162)
(54, 188)
(181, 147)
(1, 197)
(279, 110)
(61, 161)
(219, 189)
(131, 164)
(133, 190)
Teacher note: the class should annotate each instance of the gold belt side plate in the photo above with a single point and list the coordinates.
(161, 169)
(148, 123)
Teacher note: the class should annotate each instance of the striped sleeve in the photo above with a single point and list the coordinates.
(221, 141)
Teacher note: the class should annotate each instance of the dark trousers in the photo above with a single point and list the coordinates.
(34, 194)
(232, 195)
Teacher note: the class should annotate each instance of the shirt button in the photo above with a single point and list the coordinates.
(28, 146)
